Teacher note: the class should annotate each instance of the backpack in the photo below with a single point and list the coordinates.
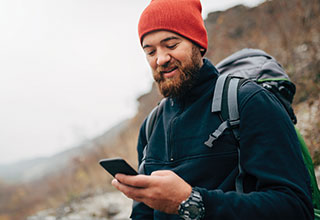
(236, 70)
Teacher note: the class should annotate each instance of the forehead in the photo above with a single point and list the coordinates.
(156, 37)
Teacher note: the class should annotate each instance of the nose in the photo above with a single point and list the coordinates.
(163, 58)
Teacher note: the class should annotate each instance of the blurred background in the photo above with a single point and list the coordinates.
(75, 87)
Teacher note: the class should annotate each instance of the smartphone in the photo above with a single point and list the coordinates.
(117, 165)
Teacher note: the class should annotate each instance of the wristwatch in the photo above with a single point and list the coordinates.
(192, 208)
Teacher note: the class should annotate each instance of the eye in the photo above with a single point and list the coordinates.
(150, 53)
(172, 46)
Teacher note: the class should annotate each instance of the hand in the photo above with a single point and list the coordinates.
(162, 190)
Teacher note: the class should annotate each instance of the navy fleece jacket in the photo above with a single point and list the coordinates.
(276, 182)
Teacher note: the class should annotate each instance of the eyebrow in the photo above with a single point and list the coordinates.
(163, 41)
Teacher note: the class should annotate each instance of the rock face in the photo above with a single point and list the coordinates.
(111, 205)
(308, 114)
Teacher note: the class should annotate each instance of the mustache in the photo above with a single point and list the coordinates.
(168, 67)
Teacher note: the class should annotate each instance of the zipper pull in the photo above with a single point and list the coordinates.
(172, 102)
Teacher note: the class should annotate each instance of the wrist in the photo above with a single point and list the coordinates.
(184, 196)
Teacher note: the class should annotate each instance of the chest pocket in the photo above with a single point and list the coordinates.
(194, 146)
(193, 160)
(198, 164)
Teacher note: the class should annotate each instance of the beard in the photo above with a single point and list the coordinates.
(178, 85)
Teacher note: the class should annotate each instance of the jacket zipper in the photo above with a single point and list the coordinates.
(171, 142)
(171, 133)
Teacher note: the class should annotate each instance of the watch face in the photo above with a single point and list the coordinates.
(193, 211)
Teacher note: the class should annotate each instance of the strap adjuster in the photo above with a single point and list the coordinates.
(233, 123)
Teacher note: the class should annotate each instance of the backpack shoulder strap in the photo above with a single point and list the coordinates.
(150, 122)
(234, 121)
(152, 119)
(225, 103)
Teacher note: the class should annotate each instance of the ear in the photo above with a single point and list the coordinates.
(202, 51)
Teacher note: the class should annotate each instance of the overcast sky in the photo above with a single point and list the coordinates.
(70, 70)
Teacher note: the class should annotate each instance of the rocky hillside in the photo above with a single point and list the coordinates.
(288, 30)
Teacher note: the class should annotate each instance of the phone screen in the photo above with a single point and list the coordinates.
(117, 165)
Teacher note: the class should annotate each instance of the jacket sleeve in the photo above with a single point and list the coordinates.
(139, 209)
(271, 156)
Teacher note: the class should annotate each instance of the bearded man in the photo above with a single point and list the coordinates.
(180, 177)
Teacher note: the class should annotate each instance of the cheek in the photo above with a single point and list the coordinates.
(184, 56)
(152, 63)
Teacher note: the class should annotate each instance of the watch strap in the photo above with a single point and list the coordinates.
(192, 208)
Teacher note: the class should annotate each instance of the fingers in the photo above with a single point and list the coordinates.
(162, 190)
(140, 186)
(138, 181)
(131, 192)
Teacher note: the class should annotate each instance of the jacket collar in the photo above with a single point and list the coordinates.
(206, 77)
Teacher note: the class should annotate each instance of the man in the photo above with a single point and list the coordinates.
(183, 178)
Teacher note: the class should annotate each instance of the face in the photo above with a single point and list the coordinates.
(175, 62)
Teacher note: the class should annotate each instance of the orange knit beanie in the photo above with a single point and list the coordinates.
(180, 16)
